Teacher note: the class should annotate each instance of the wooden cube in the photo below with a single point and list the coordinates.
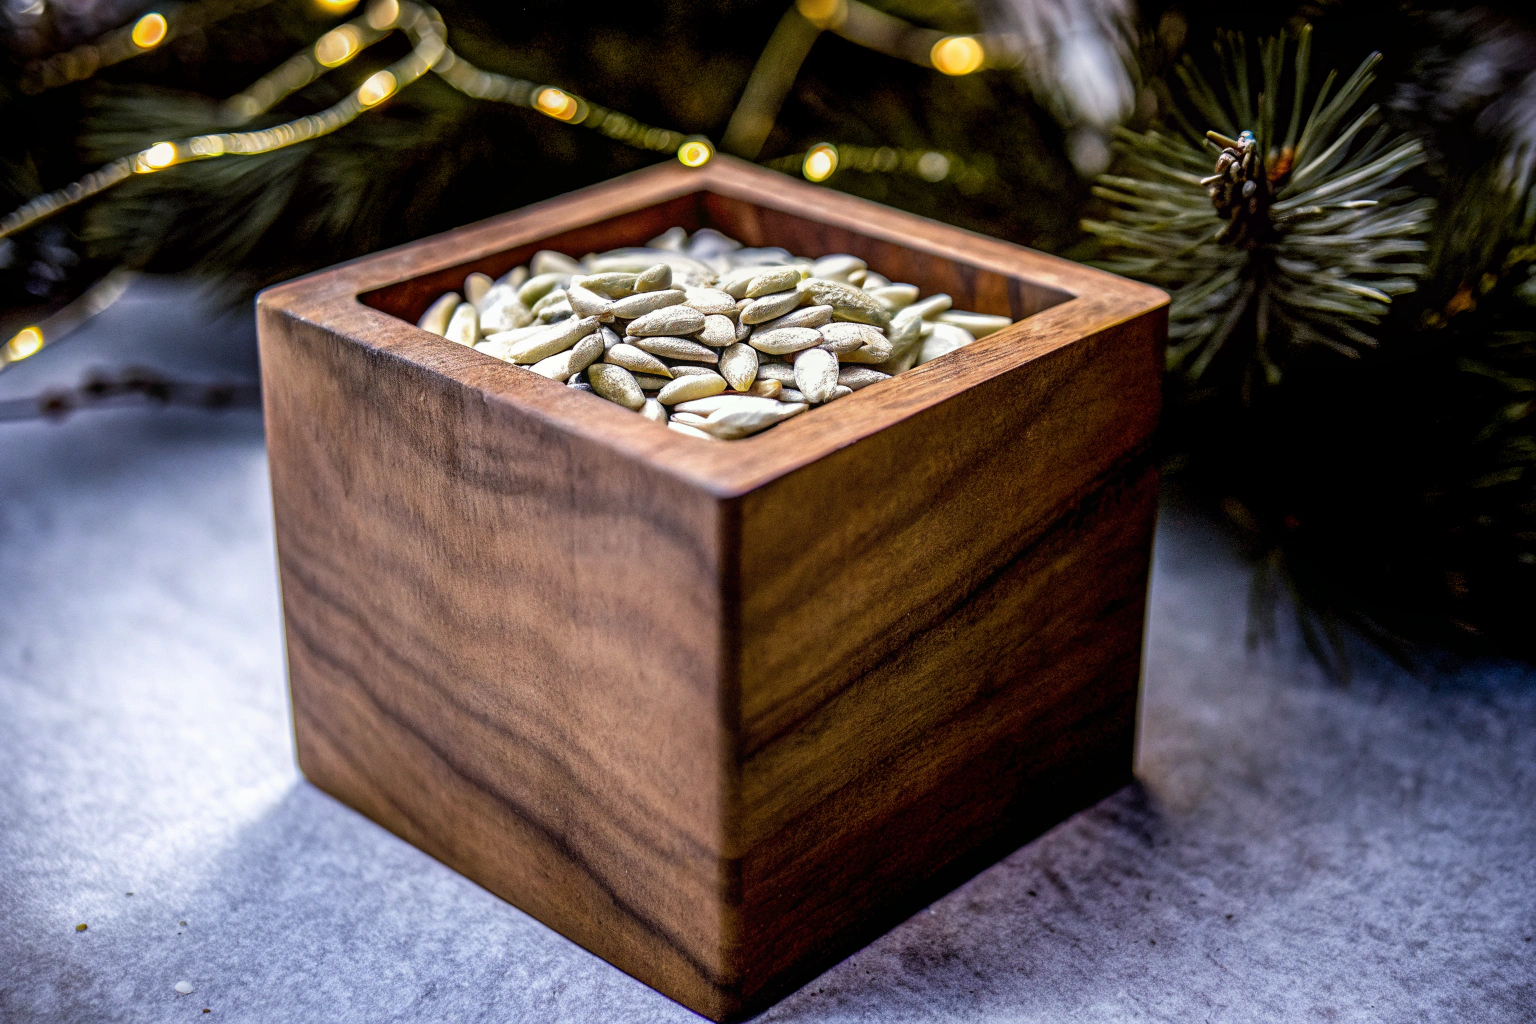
(721, 712)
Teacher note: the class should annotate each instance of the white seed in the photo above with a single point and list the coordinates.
(895, 296)
(184, 987)
(538, 286)
(705, 406)
(738, 365)
(586, 302)
(837, 267)
(791, 395)
(654, 411)
(781, 372)
(943, 340)
(654, 278)
(769, 306)
(683, 428)
(513, 278)
(613, 286)
(552, 339)
(503, 311)
(842, 338)
(610, 339)
(677, 348)
(650, 382)
(616, 384)
(847, 302)
(435, 319)
(816, 374)
(642, 303)
(464, 327)
(669, 320)
(709, 300)
(547, 261)
(691, 419)
(694, 386)
(785, 340)
(805, 316)
(636, 361)
(766, 389)
(735, 283)
(769, 282)
(475, 287)
(930, 307)
(841, 391)
(673, 239)
(979, 324)
(564, 365)
(551, 298)
(718, 331)
(733, 423)
(688, 370)
(856, 377)
(873, 280)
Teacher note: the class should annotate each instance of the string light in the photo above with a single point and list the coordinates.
(149, 31)
(957, 55)
(379, 87)
(338, 46)
(820, 162)
(557, 103)
(696, 151)
(383, 14)
(156, 158)
(336, 6)
(27, 342)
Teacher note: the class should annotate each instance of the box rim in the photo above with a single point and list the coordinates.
(330, 299)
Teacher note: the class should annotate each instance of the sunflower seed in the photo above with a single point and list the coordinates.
(503, 311)
(769, 282)
(856, 377)
(613, 285)
(616, 384)
(677, 348)
(556, 312)
(895, 296)
(768, 307)
(841, 391)
(705, 406)
(847, 302)
(673, 239)
(733, 423)
(738, 365)
(475, 287)
(873, 280)
(791, 395)
(547, 261)
(766, 389)
(979, 324)
(654, 278)
(781, 372)
(564, 365)
(654, 411)
(464, 326)
(641, 303)
(709, 300)
(687, 388)
(650, 382)
(718, 331)
(805, 316)
(514, 278)
(683, 428)
(587, 302)
(669, 320)
(944, 339)
(838, 267)
(688, 370)
(785, 340)
(551, 298)
(435, 319)
(842, 338)
(538, 286)
(928, 308)
(816, 374)
(610, 339)
(553, 339)
(636, 361)
(691, 419)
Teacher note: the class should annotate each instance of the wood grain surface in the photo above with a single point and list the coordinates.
(719, 712)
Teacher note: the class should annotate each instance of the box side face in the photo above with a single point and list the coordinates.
(940, 645)
(500, 648)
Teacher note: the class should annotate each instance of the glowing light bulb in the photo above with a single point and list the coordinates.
(823, 13)
(957, 55)
(27, 342)
(337, 46)
(149, 31)
(382, 14)
(557, 103)
(695, 152)
(820, 162)
(336, 6)
(159, 156)
(379, 87)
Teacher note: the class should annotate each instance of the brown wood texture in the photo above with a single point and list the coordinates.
(718, 711)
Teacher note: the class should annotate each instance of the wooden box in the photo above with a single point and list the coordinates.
(720, 712)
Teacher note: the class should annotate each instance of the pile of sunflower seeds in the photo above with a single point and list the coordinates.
(710, 338)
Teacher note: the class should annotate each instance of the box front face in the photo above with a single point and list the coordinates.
(713, 709)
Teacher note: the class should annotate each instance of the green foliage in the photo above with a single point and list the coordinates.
(1340, 236)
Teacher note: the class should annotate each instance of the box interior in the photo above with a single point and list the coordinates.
(973, 288)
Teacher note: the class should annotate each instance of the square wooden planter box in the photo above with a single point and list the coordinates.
(720, 712)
